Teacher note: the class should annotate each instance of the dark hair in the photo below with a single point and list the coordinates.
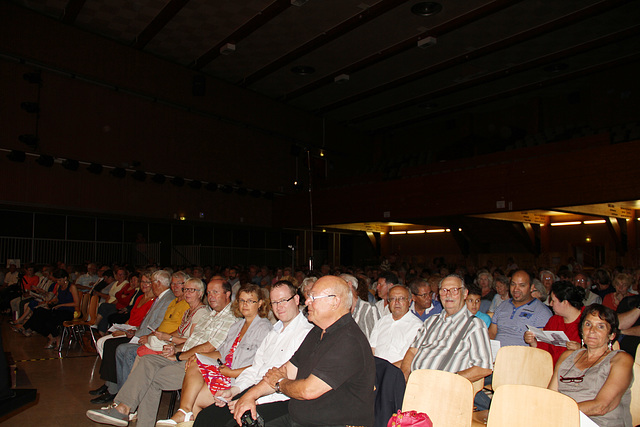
(389, 277)
(567, 291)
(473, 289)
(60, 274)
(604, 313)
(108, 273)
(286, 283)
(416, 283)
(602, 277)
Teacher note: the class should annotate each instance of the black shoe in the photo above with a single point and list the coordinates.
(104, 398)
(100, 390)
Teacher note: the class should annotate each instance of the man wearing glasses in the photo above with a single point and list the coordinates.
(330, 377)
(453, 340)
(394, 332)
(276, 349)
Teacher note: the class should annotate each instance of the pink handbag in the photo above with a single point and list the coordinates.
(410, 419)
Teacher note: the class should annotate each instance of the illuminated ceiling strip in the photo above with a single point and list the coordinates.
(438, 230)
(397, 232)
(595, 221)
(555, 224)
(416, 232)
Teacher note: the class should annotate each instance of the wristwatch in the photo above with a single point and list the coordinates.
(178, 356)
(170, 338)
(278, 385)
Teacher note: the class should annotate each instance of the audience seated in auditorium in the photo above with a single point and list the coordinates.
(583, 281)
(423, 305)
(154, 373)
(473, 302)
(622, 285)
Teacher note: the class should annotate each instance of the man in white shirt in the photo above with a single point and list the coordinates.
(393, 333)
(276, 349)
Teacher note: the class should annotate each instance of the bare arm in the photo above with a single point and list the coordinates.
(629, 318)
(617, 383)
(475, 373)
(493, 331)
(633, 331)
(405, 366)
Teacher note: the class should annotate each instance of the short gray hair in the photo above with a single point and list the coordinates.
(163, 277)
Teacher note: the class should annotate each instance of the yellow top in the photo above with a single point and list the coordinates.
(173, 316)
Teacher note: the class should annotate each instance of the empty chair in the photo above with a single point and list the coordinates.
(445, 397)
(635, 394)
(522, 365)
(517, 405)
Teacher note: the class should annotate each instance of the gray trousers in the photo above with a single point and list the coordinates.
(145, 384)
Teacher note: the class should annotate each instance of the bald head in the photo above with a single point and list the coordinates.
(329, 300)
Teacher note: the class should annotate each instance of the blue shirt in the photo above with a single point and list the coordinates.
(484, 317)
(512, 321)
(436, 308)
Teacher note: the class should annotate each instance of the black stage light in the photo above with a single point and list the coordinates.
(16, 156)
(177, 181)
(44, 160)
(95, 168)
(195, 184)
(70, 164)
(139, 175)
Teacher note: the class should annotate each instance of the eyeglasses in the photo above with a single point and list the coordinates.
(189, 290)
(399, 299)
(282, 301)
(247, 301)
(571, 379)
(315, 297)
(452, 291)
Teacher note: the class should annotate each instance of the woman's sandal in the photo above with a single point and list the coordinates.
(170, 422)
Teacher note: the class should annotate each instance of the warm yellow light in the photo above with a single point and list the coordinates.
(416, 232)
(459, 229)
(397, 232)
(588, 239)
(182, 217)
(437, 230)
(448, 230)
(556, 224)
(324, 230)
(595, 221)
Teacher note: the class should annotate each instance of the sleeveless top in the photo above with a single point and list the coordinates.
(65, 296)
(590, 386)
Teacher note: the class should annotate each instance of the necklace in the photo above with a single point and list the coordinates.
(579, 379)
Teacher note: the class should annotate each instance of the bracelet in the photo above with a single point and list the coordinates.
(170, 338)
(178, 356)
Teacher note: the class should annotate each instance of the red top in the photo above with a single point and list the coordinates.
(608, 301)
(30, 282)
(124, 295)
(138, 313)
(556, 323)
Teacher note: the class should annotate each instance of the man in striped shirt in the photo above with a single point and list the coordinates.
(453, 340)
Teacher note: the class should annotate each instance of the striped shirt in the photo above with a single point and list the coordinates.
(436, 336)
(365, 315)
(512, 321)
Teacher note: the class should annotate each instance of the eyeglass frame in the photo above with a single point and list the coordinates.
(450, 291)
(314, 297)
(283, 301)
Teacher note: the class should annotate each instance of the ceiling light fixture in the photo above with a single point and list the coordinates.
(397, 232)
(595, 221)
(44, 160)
(16, 156)
(416, 231)
(437, 230)
(426, 8)
(557, 224)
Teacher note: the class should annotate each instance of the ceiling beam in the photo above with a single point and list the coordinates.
(263, 17)
(633, 57)
(410, 43)
(158, 23)
(520, 68)
(521, 217)
(72, 10)
(465, 57)
(603, 210)
(334, 33)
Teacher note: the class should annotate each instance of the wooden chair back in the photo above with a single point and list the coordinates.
(445, 397)
(518, 405)
(84, 306)
(522, 365)
(93, 310)
(635, 394)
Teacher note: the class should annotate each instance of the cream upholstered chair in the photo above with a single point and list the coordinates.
(635, 394)
(445, 397)
(518, 365)
(517, 405)
(522, 365)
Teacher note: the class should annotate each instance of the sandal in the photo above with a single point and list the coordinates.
(170, 422)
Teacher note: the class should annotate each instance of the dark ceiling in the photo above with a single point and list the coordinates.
(369, 71)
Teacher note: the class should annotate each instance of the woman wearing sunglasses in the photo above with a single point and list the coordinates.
(595, 376)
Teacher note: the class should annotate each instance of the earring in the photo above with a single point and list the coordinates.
(581, 342)
(610, 345)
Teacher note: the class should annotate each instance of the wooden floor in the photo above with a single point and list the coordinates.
(63, 383)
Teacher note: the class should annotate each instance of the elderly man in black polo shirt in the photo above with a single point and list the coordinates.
(330, 378)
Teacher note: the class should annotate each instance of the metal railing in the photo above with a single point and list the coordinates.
(75, 252)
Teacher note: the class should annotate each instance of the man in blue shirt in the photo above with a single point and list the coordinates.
(423, 306)
(510, 320)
